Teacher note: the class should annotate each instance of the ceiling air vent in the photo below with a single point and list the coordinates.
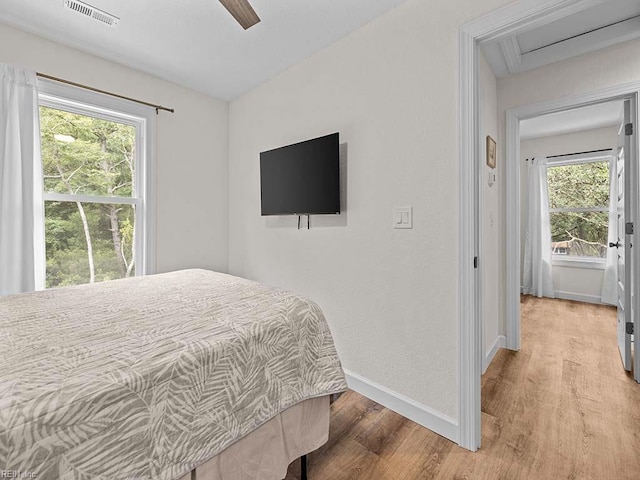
(91, 12)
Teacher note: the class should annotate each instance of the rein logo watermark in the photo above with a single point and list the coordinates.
(17, 474)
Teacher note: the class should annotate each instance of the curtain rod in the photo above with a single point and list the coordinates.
(60, 80)
(580, 153)
(575, 153)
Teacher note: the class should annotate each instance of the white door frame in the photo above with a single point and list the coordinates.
(499, 24)
(514, 116)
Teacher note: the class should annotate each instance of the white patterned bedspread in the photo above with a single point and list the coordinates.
(146, 378)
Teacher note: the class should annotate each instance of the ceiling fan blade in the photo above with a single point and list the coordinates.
(242, 11)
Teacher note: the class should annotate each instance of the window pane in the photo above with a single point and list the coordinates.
(71, 228)
(85, 155)
(582, 234)
(584, 185)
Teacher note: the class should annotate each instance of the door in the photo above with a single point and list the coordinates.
(627, 195)
(631, 146)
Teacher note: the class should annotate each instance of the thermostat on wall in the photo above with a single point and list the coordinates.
(492, 178)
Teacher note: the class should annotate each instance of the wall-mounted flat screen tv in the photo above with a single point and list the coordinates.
(302, 179)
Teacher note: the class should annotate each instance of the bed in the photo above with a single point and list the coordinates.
(175, 376)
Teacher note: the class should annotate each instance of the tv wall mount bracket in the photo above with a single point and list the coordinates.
(302, 215)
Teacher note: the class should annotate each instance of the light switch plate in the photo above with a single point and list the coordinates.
(403, 217)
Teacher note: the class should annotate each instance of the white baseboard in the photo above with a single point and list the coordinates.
(501, 342)
(421, 414)
(578, 297)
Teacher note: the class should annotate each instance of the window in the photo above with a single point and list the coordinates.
(579, 209)
(94, 154)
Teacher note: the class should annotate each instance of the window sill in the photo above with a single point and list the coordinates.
(578, 262)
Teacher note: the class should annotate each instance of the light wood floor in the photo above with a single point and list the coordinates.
(561, 408)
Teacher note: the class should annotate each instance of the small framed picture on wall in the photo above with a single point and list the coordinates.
(491, 152)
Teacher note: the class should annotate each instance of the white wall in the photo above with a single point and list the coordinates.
(612, 66)
(390, 296)
(580, 284)
(191, 147)
(491, 224)
(568, 281)
(592, 71)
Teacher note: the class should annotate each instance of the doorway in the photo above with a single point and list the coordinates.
(624, 95)
(497, 27)
(573, 152)
(571, 184)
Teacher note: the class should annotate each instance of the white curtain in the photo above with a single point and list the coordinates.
(21, 206)
(537, 279)
(610, 281)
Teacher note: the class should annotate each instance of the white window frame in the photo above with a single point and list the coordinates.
(578, 159)
(86, 102)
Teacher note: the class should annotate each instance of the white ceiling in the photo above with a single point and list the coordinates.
(578, 119)
(605, 24)
(197, 43)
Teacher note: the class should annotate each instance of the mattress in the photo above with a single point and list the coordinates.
(150, 377)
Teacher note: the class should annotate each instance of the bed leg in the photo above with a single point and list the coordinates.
(303, 467)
